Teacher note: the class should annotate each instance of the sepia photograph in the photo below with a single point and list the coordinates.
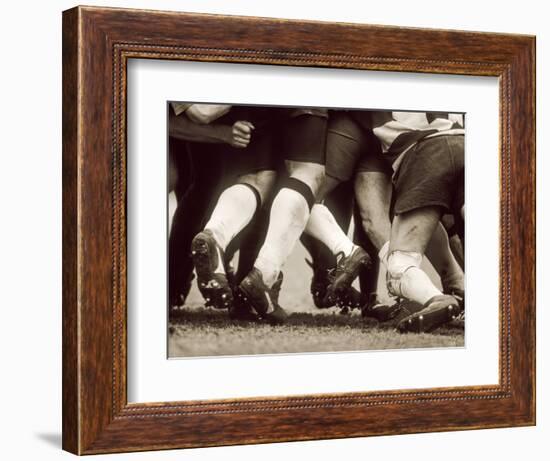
(310, 229)
(279, 230)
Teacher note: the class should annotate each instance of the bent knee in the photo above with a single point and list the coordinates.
(262, 181)
(312, 174)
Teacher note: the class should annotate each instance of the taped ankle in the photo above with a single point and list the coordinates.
(398, 263)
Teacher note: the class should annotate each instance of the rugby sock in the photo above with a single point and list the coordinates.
(407, 279)
(288, 218)
(417, 286)
(323, 227)
(234, 210)
(383, 253)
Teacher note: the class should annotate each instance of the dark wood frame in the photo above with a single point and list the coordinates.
(97, 43)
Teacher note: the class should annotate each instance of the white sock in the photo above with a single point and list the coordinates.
(235, 208)
(323, 227)
(408, 279)
(383, 254)
(417, 286)
(287, 220)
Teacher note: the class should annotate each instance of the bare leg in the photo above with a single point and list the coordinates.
(410, 234)
(373, 193)
(440, 255)
(329, 184)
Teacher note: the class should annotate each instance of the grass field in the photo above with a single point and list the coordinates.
(203, 331)
(198, 331)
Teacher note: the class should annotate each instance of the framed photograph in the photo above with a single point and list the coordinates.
(281, 230)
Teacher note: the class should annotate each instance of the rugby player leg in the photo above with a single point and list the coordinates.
(440, 255)
(345, 143)
(338, 198)
(196, 191)
(373, 196)
(289, 216)
(427, 184)
(373, 192)
(303, 152)
(455, 241)
(234, 210)
(349, 257)
(410, 233)
(290, 210)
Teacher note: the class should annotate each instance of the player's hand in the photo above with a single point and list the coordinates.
(241, 134)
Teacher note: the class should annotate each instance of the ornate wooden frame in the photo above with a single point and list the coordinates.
(97, 43)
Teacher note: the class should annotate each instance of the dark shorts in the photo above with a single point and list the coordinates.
(351, 148)
(304, 137)
(280, 134)
(261, 152)
(431, 174)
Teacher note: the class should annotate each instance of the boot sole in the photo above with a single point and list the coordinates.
(426, 320)
(214, 288)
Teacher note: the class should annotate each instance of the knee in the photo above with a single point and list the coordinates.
(312, 174)
(261, 181)
(398, 262)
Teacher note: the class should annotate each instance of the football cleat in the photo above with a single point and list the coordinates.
(350, 299)
(319, 287)
(211, 278)
(345, 273)
(264, 301)
(459, 295)
(380, 311)
(242, 311)
(437, 311)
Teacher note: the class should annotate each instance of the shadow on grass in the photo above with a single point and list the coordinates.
(209, 317)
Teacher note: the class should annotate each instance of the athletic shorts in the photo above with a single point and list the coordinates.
(304, 135)
(431, 174)
(351, 148)
(280, 134)
(264, 147)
